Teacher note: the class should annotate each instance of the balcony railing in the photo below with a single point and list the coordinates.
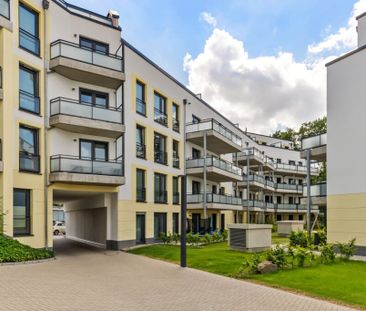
(160, 157)
(216, 162)
(29, 162)
(61, 48)
(73, 164)
(160, 117)
(176, 161)
(314, 141)
(161, 196)
(140, 106)
(293, 187)
(317, 190)
(141, 194)
(175, 197)
(29, 41)
(213, 198)
(212, 124)
(296, 168)
(140, 151)
(75, 108)
(5, 8)
(28, 102)
(269, 205)
(176, 125)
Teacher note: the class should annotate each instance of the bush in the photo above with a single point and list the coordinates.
(14, 251)
(2, 223)
(278, 256)
(164, 237)
(327, 254)
(175, 238)
(207, 238)
(301, 254)
(250, 266)
(322, 237)
(189, 238)
(347, 250)
(216, 236)
(299, 238)
(224, 235)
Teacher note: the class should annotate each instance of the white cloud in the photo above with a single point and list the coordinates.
(208, 18)
(265, 93)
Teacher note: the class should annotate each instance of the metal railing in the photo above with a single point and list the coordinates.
(140, 151)
(269, 183)
(176, 197)
(29, 41)
(74, 164)
(75, 108)
(269, 205)
(29, 102)
(176, 125)
(314, 141)
(160, 117)
(29, 162)
(176, 160)
(213, 198)
(212, 124)
(5, 8)
(140, 106)
(216, 162)
(292, 187)
(295, 168)
(160, 157)
(141, 194)
(62, 48)
(316, 190)
(161, 196)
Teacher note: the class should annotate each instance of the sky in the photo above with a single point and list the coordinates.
(261, 63)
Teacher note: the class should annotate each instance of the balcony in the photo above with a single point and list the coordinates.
(256, 159)
(86, 65)
(5, 15)
(217, 170)
(294, 169)
(257, 182)
(289, 188)
(214, 202)
(75, 116)
(72, 169)
(318, 193)
(220, 140)
(317, 146)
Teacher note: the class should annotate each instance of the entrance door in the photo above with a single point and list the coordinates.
(196, 222)
(213, 222)
(140, 229)
(159, 225)
(222, 223)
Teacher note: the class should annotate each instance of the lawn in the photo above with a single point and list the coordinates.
(342, 281)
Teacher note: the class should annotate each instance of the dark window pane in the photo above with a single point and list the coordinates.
(27, 141)
(101, 100)
(100, 152)
(86, 97)
(28, 29)
(21, 212)
(86, 150)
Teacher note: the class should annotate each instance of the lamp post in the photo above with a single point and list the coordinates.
(248, 183)
(308, 211)
(183, 222)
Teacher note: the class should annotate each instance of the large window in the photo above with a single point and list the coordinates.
(176, 117)
(140, 186)
(175, 154)
(21, 212)
(175, 190)
(94, 98)
(159, 225)
(28, 149)
(160, 188)
(196, 187)
(175, 223)
(140, 98)
(93, 150)
(140, 142)
(160, 155)
(94, 45)
(160, 115)
(28, 90)
(28, 29)
(5, 8)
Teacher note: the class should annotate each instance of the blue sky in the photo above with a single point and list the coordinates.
(166, 30)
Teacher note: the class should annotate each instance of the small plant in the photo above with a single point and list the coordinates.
(327, 254)
(224, 235)
(175, 238)
(299, 238)
(322, 237)
(189, 238)
(164, 237)
(278, 256)
(216, 236)
(301, 255)
(207, 238)
(347, 250)
(250, 266)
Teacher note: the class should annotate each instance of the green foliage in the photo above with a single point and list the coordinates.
(299, 238)
(175, 238)
(327, 254)
(278, 256)
(288, 134)
(322, 177)
(322, 237)
(250, 266)
(347, 250)
(165, 238)
(216, 236)
(224, 235)
(14, 251)
(301, 254)
(2, 215)
(207, 238)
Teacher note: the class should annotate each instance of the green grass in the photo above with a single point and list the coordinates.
(14, 251)
(342, 281)
(276, 239)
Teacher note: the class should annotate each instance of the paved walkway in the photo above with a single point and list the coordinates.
(83, 278)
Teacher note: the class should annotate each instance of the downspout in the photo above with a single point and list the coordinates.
(45, 5)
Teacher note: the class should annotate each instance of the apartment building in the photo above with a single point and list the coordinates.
(346, 189)
(104, 132)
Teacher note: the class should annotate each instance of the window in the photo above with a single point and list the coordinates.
(291, 200)
(140, 186)
(176, 223)
(160, 188)
(21, 212)
(28, 150)
(175, 190)
(196, 187)
(279, 180)
(5, 9)
(291, 162)
(300, 181)
(175, 154)
(140, 142)
(279, 200)
(94, 98)
(160, 115)
(290, 217)
(279, 161)
(159, 225)
(94, 45)
(214, 189)
(301, 217)
(28, 29)
(93, 150)
(175, 117)
(28, 90)
(140, 98)
(196, 154)
(299, 163)
(279, 217)
(160, 155)
(222, 190)
(195, 119)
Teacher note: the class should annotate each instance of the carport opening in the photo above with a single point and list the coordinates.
(80, 218)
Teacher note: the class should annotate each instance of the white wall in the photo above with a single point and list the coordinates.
(361, 31)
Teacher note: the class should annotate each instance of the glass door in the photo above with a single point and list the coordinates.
(140, 229)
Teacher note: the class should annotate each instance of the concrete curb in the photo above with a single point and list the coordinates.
(30, 262)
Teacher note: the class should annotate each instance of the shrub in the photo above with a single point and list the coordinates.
(2, 223)
(165, 238)
(299, 238)
(301, 254)
(175, 238)
(250, 266)
(322, 237)
(207, 238)
(189, 238)
(216, 236)
(278, 256)
(224, 235)
(327, 254)
(347, 250)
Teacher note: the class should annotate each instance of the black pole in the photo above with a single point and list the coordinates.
(183, 223)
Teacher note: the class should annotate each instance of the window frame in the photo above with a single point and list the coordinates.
(36, 27)
(163, 190)
(175, 143)
(164, 151)
(143, 189)
(36, 148)
(143, 145)
(93, 142)
(28, 227)
(93, 43)
(94, 95)
(176, 123)
(143, 100)
(35, 75)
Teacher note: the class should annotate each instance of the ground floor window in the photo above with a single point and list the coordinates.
(291, 217)
(301, 217)
(176, 223)
(222, 223)
(159, 225)
(21, 212)
(279, 217)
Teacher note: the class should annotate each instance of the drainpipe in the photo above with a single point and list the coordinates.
(45, 5)
(248, 183)
(309, 192)
(205, 180)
